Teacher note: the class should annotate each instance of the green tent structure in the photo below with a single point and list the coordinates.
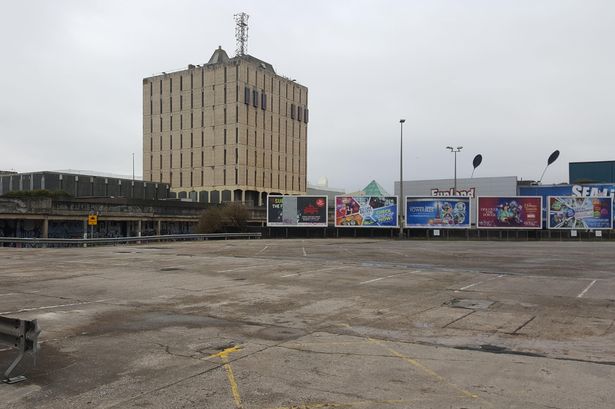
(375, 189)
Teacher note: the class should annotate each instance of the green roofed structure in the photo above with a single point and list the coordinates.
(375, 189)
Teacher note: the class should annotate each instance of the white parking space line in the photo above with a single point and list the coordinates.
(265, 248)
(470, 286)
(582, 293)
(1, 295)
(304, 253)
(311, 271)
(47, 307)
(375, 279)
(382, 278)
(479, 282)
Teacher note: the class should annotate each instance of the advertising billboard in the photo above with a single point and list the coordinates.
(513, 212)
(577, 190)
(438, 212)
(574, 212)
(366, 211)
(296, 211)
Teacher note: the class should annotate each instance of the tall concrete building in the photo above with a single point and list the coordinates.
(228, 130)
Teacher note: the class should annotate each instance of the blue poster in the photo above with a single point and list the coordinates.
(576, 212)
(588, 190)
(438, 212)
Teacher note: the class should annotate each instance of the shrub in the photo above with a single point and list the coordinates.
(231, 217)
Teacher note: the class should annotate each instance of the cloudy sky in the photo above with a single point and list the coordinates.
(512, 80)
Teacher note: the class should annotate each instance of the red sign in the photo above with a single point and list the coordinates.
(515, 212)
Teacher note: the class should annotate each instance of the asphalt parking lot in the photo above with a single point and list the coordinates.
(309, 324)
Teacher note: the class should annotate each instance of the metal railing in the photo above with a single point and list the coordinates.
(33, 242)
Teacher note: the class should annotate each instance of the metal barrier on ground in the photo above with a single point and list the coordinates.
(22, 335)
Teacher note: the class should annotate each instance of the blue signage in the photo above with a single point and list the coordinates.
(578, 190)
(438, 212)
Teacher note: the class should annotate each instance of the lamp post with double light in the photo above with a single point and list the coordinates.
(401, 178)
(455, 151)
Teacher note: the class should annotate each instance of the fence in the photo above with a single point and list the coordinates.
(441, 234)
(52, 242)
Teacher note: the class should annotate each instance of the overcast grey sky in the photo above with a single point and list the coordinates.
(512, 80)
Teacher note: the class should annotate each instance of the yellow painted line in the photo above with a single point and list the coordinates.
(428, 371)
(233, 383)
(229, 373)
(225, 353)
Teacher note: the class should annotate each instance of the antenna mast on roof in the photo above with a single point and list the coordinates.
(241, 33)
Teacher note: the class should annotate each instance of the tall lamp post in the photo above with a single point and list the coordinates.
(455, 151)
(401, 178)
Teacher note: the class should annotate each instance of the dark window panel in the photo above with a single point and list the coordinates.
(246, 95)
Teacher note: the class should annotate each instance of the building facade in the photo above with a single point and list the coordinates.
(228, 130)
(592, 172)
(472, 187)
(84, 185)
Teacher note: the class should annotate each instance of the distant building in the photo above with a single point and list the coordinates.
(80, 185)
(227, 130)
(592, 172)
(474, 187)
(322, 189)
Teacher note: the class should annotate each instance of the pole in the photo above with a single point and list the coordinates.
(543, 174)
(133, 166)
(401, 178)
(455, 187)
(455, 151)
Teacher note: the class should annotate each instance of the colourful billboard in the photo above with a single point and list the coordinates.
(514, 212)
(438, 212)
(366, 211)
(586, 190)
(573, 212)
(296, 211)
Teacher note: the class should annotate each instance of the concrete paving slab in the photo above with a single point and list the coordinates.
(492, 321)
(287, 324)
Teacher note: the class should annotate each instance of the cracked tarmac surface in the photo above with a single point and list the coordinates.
(309, 324)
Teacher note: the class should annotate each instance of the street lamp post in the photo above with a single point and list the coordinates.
(401, 178)
(455, 151)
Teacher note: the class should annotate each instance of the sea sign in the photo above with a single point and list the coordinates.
(573, 212)
(366, 211)
(438, 213)
(514, 212)
(296, 211)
